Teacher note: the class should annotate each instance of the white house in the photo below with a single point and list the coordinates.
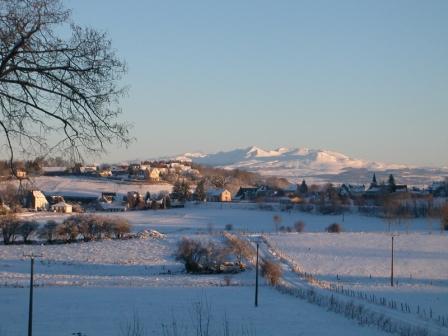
(62, 207)
(218, 195)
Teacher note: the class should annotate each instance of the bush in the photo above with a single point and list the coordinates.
(49, 231)
(277, 221)
(120, 227)
(26, 229)
(9, 226)
(68, 229)
(299, 226)
(240, 248)
(334, 228)
(272, 272)
(200, 257)
(444, 217)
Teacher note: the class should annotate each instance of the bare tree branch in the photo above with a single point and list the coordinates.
(66, 90)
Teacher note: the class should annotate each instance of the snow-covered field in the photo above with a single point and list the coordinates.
(72, 185)
(104, 311)
(362, 262)
(95, 287)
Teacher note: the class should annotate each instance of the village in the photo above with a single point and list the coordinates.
(179, 182)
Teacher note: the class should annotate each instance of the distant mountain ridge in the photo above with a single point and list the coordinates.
(315, 164)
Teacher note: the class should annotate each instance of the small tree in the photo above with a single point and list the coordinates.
(69, 229)
(272, 272)
(200, 191)
(391, 183)
(121, 227)
(299, 226)
(26, 228)
(181, 189)
(444, 217)
(9, 225)
(49, 231)
(277, 221)
(334, 228)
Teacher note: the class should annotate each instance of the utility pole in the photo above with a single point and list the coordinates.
(392, 264)
(256, 280)
(30, 306)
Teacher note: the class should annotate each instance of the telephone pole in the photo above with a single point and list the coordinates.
(256, 280)
(392, 264)
(30, 306)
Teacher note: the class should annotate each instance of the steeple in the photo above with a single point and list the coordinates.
(374, 182)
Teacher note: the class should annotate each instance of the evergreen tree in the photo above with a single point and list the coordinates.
(181, 190)
(374, 182)
(303, 188)
(391, 183)
(200, 191)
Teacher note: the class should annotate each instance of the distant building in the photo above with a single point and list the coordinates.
(247, 194)
(62, 207)
(219, 195)
(152, 174)
(350, 190)
(37, 201)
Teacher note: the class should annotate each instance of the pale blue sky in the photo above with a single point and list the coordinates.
(366, 78)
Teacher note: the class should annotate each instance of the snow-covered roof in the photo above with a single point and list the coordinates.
(216, 191)
(61, 204)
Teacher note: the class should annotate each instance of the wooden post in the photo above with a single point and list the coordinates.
(30, 307)
(392, 264)
(256, 280)
(30, 304)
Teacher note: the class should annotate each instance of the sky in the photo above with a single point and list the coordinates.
(365, 78)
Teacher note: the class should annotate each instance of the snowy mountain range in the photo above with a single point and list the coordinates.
(313, 164)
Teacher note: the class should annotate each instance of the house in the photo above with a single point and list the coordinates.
(36, 200)
(106, 172)
(218, 195)
(87, 169)
(62, 207)
(134, 199)
(247, 193)
(152, 174)
(351, 190)
(111, 207)
(108, 196)
(21, 173)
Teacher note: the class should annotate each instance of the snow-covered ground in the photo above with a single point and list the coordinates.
(93, 287)
(362, 262)
(248, 218)
(104, 311)
(74, 185)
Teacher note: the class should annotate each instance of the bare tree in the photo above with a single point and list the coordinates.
(54, 87)
(9, 226)
(26, 229)
(444, 217)
(277, 219)
(48, 231)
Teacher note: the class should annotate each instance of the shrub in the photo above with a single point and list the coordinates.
(229, 227)
(299, 226)
(240, 248)
(120, 227)
(26, 229)
(272, 272)
(200, 257)
(334, 228)
(9, 226)
(69, 228)
(49, 231)
(277, 221)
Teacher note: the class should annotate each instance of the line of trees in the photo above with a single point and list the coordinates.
(72, 229)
